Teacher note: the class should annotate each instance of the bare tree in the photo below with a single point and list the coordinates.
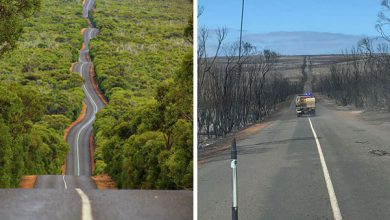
(383, 19)
(236, 91)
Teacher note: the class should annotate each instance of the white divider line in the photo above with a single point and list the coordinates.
(329, 185)
(86, 211)
(63, 178)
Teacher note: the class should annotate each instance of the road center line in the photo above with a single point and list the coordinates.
(63, 178)
(84, 126)
(86, 212)
(89, 35)
(78, 135)
(329, 185)
(89, 2)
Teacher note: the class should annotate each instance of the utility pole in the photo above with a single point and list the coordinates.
(242, 20)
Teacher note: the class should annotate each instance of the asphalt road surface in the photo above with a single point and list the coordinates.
(53, 204)
(280, 174)
(307, 87)
(78, 161)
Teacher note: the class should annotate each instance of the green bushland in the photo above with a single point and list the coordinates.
(12, 15)
(39, 97)
(143, 63)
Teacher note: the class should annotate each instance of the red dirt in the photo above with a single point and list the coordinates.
(67, 130)
(63, 168)
(91, 152)
(71, 67)
(104, 181)
(27, 182)
(89, 22)
(78, 120)
(96, 87)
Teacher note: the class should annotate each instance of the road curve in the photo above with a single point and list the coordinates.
(78, 161)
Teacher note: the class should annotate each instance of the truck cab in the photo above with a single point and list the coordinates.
(305, 104)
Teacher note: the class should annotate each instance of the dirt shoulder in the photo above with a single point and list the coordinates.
(215, 146)
(95, 85)
(104, 181)
(67, 130)
(28, 181)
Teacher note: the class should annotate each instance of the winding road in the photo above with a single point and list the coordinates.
(74, 195)
(78, 161)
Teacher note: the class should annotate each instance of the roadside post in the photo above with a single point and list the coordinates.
(233, 165)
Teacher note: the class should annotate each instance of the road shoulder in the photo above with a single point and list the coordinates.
(216, 146)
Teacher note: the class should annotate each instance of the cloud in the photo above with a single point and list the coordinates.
(301, 42)
(304, 42)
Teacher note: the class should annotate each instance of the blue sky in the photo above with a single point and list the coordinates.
(294, 26)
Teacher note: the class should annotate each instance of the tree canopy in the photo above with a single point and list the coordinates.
(12, 20)
(143, 61)
(39, 97)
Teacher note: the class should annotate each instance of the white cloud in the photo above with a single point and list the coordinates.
(301, 42)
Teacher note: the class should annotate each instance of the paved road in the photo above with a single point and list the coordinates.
(280, 175)
(53, 204)
(78, 161)
(303, 168)
(307, 87)
(64, 182)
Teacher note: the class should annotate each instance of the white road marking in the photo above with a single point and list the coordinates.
(63, 178)
(89, 35)
(91, 99)
(87, 9)
(84, 126)
(329, 185)
(81, 69)
(86, 211)
(78, 135)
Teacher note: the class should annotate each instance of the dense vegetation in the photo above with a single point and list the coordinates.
(143, 62)
(12, 14)
(39, 97)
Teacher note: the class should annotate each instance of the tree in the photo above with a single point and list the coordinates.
(12, 17)
(236, 91)
(383, 20)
